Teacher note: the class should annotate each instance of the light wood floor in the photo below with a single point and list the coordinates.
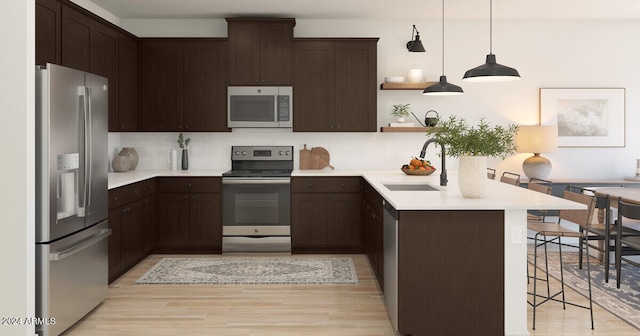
(253, 310)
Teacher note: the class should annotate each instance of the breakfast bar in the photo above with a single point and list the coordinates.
(456, 259)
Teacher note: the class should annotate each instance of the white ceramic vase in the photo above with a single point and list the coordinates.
(472, 176)
(415, 75)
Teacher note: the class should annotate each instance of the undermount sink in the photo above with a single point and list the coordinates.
(410, 187)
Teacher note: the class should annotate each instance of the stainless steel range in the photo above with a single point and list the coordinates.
(256, 214)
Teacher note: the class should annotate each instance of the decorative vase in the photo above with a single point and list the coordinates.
(472, 176)
(415, 75)
(121, 164)
(132, 154)
(185, 159)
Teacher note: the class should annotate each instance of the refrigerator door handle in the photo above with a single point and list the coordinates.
(91, 240)
(88, 147)
(85, 138)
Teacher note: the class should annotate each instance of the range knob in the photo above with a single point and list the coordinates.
(237, 153)
(288, 153)
(281, 153)
(244, 152)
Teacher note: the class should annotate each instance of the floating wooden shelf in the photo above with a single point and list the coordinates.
(405, 86)
(403, 129)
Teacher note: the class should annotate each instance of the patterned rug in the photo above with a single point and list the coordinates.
(623, 302)
(251, 270)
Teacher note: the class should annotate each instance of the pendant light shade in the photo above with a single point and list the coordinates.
(491, 71)
(442, 88)
(415, 45)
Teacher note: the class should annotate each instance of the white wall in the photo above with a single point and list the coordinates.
(17, 240)
(567, 54)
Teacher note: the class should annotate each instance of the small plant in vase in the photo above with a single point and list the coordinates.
(400, 111)
(473, 144)
(184, 143)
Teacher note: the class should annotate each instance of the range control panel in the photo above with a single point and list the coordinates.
(261, 153)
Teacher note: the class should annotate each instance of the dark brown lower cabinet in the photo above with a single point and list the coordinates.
(189, 215)
(372, 230)
(131, 214)
(326, 215)
(451, 272)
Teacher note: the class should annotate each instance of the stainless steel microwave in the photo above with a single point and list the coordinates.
(260, 106)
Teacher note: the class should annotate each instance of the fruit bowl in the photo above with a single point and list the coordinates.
(418, 171)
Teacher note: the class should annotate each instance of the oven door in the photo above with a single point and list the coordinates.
(256, 214)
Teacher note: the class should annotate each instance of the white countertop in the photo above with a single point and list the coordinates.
(498, 196)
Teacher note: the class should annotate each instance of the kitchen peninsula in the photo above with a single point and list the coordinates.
(455, 258)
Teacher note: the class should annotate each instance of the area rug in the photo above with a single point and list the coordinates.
(251, 270)
(623, 302)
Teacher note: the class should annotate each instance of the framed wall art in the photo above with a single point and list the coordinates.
(586, 117)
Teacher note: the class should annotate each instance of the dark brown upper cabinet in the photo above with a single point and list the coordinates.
(334, 84)
(260, 51)
(126, 118)
(182, 85)
(48, 34)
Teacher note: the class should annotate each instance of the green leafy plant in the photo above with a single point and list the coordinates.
(400, 110)
(182, 142)
(481, 140)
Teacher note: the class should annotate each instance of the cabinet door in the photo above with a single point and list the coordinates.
(76, 39)
(206, 221)
(308, 225)
(260, 51)
(275, 53)
(174, 209)
(161, 99)
(132, 233)
(148, 223)
(314, 85)
(115, 243)
(205, 88)
(127, 113)
(48, 32)
(244, 53)
(355, 86)
(103, 53)
(344, 231)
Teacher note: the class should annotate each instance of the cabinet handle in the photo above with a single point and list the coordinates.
(344, 185)
(115, 198)
(193, 198)
(330, 197)
(309, 185)
(186, 197)
(338, 126)
(322, 197)
(186, 126)
(331, 126)
(189, 185)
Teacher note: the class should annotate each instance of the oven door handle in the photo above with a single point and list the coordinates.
(256, 181)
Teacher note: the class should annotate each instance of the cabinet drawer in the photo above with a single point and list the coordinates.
(125, 194)
(149, 187)
(326, 184)
(189, 184)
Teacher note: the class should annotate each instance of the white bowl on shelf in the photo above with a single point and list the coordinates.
(394, 79)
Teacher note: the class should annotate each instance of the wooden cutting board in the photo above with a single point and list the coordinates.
(305, 158)
(314, 158)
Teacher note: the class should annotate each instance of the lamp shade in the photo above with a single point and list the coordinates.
(537, 139)
(491, 72)
(442, 88)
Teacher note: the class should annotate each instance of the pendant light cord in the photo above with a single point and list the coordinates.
(443, 37)
(490, 26)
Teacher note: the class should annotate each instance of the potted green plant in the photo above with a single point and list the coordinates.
(184, 143)
(400, 111)
(472, 145)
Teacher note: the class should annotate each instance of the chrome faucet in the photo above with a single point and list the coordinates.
(443, 172)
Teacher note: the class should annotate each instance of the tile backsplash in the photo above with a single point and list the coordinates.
(213, 150)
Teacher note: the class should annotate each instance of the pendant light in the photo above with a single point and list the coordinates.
(442, 88)
(491, 71)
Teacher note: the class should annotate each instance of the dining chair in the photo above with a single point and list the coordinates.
(491, 173)
(602, 230)
(510, 178)
(552, 232)
(626, 245)
(542, 186)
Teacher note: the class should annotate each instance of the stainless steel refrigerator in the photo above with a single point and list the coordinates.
(71, 196)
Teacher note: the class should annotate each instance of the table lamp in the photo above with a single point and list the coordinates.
(537, 139)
